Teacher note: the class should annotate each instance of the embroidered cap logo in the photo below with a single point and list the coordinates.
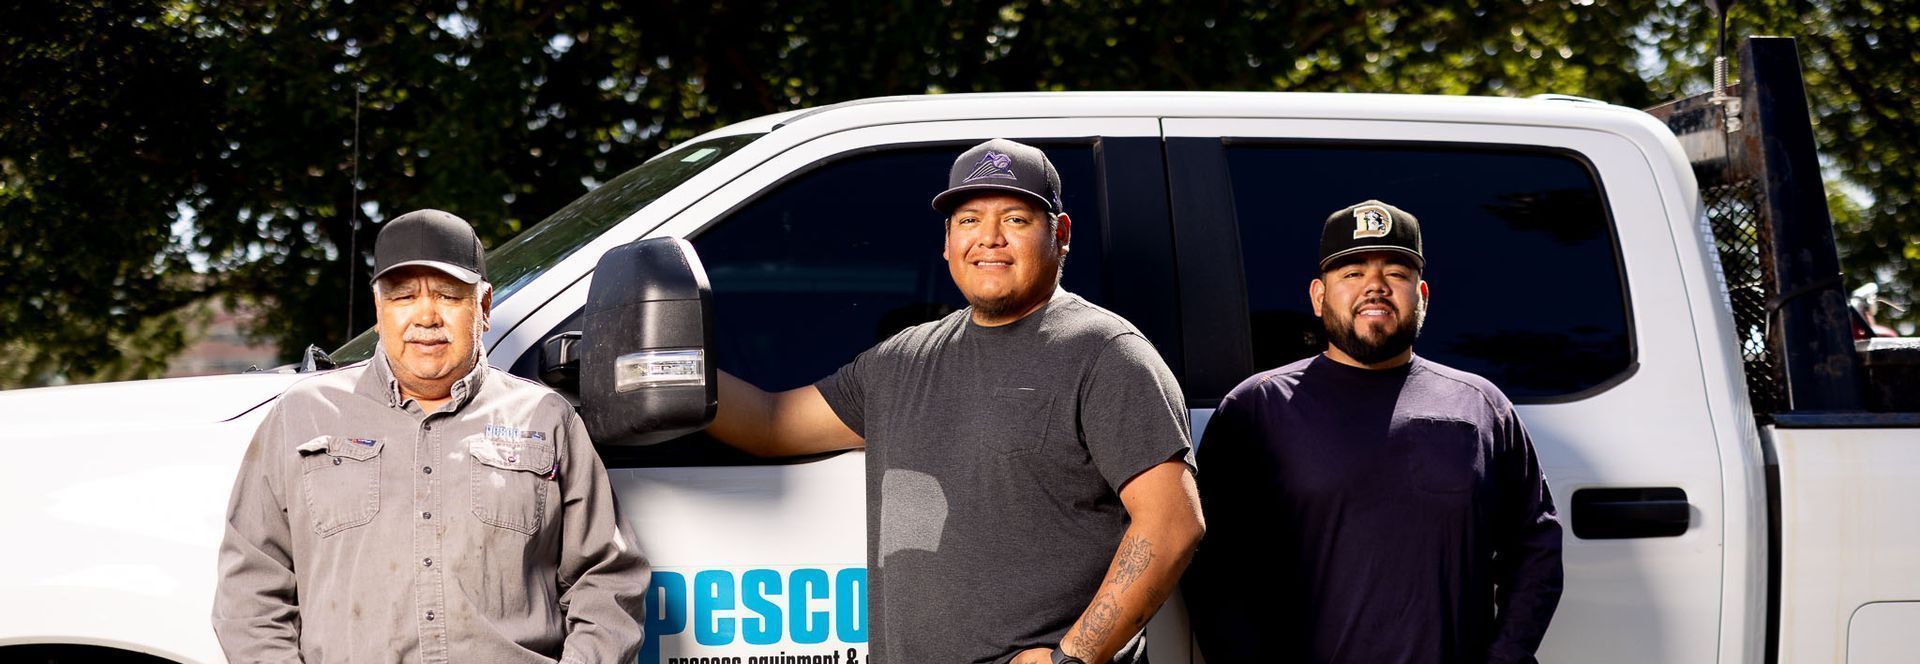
(992, 165)
(1371, 221)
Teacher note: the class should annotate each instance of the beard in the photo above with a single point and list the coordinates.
(1009, 304)
(1343, 334)
(991, 306)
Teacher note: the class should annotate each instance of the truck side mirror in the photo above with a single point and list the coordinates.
(644, 373)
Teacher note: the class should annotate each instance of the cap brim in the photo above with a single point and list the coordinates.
(455, 271)
(951, 198)
(1418, 260)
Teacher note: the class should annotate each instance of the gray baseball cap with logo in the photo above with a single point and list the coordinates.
(1001, 166)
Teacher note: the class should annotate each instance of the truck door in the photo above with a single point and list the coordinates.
(1553, 274)
(815, 255)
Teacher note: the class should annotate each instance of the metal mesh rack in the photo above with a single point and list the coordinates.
(1733, 208)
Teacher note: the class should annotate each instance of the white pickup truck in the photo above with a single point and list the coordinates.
(1573, 263)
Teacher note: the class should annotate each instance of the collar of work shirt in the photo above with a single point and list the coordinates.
(379, 383)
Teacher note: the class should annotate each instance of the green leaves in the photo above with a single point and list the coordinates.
(153, 154)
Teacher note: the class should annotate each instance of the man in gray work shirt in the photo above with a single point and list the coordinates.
(422, 506)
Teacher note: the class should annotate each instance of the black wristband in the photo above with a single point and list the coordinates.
(1061, 657)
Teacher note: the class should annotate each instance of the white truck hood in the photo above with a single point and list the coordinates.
(139, 404)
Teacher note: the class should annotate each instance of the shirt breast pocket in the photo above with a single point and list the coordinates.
(1443, 455)
(340, 478)
(1021, 417)
(510, 482)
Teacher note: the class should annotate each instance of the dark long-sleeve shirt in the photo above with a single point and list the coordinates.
(1372, 516)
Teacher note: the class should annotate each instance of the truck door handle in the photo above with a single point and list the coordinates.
(1630, 513)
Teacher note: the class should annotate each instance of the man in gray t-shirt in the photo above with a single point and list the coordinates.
(1030, 491)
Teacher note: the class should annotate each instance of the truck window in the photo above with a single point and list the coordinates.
(1526, 283)
(818, 269)
(524, 258)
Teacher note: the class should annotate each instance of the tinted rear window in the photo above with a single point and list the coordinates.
(1526, 286)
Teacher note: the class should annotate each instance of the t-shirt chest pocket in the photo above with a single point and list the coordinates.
(510, 481)
(340, 478)
(1443, 455)
(1020, 417)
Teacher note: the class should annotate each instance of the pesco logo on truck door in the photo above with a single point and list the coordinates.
(756, 615)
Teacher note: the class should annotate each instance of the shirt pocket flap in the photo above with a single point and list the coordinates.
(358, 449)
(531, 456)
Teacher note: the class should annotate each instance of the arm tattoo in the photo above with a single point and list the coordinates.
(1129, 563)
(1097, 624)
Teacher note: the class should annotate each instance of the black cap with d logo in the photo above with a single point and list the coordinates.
(1370, 226)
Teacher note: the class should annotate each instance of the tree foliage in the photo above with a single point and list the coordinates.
(1858, 60)
(1862, 78)
(154, 153)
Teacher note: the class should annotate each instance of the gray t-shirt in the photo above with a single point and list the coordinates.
(995, 457)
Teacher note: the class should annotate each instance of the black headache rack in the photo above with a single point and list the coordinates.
(1753, 152)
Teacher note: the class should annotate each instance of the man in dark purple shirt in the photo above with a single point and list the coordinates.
(1366, 504)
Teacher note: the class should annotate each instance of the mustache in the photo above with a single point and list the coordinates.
(425, 335)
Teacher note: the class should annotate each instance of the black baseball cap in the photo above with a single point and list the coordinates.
(1370, 226)
(1001, 165)
(430, 238)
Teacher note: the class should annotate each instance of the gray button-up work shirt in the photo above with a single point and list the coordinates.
(362, 529)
